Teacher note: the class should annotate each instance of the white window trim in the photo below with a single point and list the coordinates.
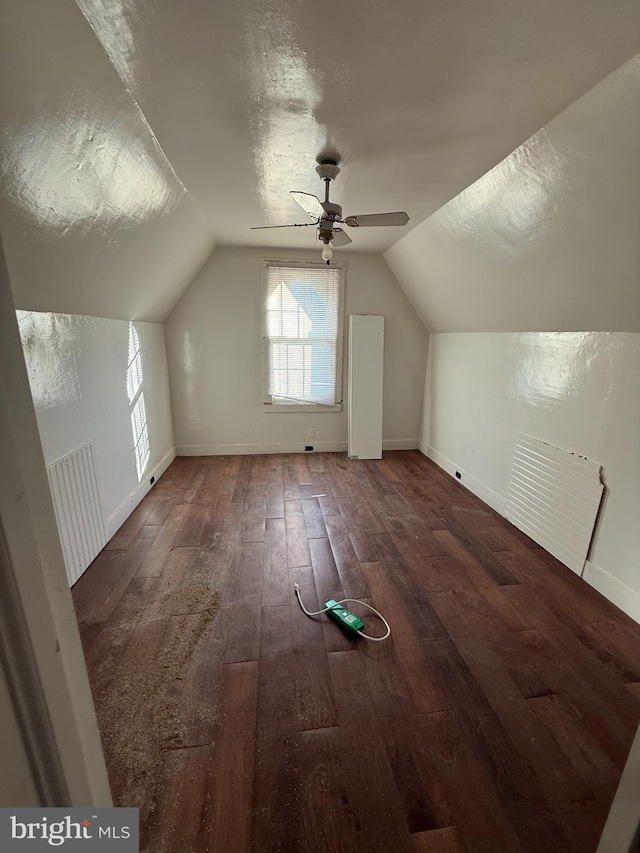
(302, 408)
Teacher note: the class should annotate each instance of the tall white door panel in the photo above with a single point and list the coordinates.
(366, 350)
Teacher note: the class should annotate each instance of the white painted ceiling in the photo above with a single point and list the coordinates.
(136, 134)
(547, 240)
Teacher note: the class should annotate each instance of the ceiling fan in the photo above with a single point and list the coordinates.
(326, 214)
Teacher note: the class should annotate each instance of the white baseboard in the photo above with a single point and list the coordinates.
(318, 446)
(627, 599)
(470, 482)
(118, 518)
(400, 444)
(244, 449)
(607, 585)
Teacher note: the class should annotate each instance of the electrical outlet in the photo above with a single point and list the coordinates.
(458, 475)
(311, 433)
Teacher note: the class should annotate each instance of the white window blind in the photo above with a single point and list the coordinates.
(301, 334)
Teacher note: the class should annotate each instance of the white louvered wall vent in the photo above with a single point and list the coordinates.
(76, 501)
(554, 497)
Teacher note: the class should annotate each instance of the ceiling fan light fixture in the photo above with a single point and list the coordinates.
(327, 252)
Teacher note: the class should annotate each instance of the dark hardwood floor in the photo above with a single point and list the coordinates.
(496, 718)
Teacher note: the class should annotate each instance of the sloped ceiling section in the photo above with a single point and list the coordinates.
(137, 133)
(548, 239)
(420, 99)
(93, 216)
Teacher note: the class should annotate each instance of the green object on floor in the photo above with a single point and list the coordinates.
(345, 617)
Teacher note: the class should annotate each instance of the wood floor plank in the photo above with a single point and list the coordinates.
(313, 519)
(255, 516)
(180, 819)
(194, 526)
(599, 773)
(329, 586)
(446, 840)
(600, 680)
(297, 542)
(417, 780)
(243, 607)
(103, 649)
(427, 694)
(555, 776)
(326, 794)
(196, 480)
(424, 618)
(97, 595)
(241, 485)
(376, 802)
(496, 719)
(634, 689)
(466, 614)
(275, 487)
(275, 588)
(585, 697)
(449, 742)
(129, 530)
(526, 674)
(354, 510)
(364, 547)
(290, 479)
(156, 556)
(353, 581)
(277, 821)
(303, 474)
(610, 642)
(515, 783)
(475, 559)
(234, 758)
(315, 704)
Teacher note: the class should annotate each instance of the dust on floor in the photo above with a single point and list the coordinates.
(148, 709)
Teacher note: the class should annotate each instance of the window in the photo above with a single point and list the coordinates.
(135, 393)
(302, 335)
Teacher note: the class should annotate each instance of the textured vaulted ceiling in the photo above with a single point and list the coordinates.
(136, 134)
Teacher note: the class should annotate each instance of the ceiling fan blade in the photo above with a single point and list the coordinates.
(293, 225)
(340, 237)
(398, 218)
(310, 203)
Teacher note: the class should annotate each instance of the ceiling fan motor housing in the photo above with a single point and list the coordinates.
(332, 211)
(325, 230)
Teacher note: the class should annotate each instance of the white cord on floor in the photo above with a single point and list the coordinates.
(342, 601)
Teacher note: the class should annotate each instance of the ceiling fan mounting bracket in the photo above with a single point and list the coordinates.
(328, 170)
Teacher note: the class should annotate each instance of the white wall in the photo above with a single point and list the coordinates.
(17, 785)
(215, 364)
(78, 375)
(41, 649)
(622, 828)
(546, 243)
(576, 390)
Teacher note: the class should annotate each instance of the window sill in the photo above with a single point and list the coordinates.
(301, 408)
